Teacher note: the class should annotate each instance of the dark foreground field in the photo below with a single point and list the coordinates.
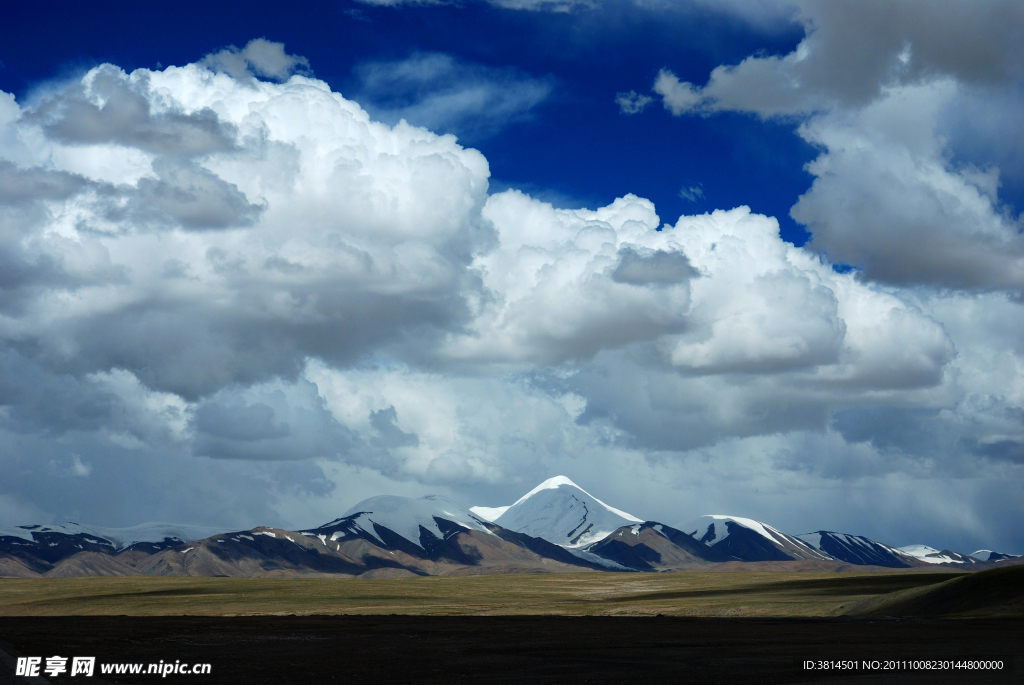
(520, 649)
(558, 628)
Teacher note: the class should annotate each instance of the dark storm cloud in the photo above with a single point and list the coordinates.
(23, 275)
(193, 349)
(127, 486)
(114, 110)
(986, 130)
(259, 57)
(973, 42)
(909, 429)
(853, 51)
(654, 268)
(29, 273)
(384, 421)
(25, 186)
(23, 269)
(1005, 450)
(47, 402)
(182, 194)
(189, 196)
(69, 409)
(237, 421)
(274, 423)
(668, 412)
(303, 479)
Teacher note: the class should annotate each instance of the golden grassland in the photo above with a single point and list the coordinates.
(679, 594)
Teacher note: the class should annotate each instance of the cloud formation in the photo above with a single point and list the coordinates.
(259, 250)
(259, 58)
(853, 53)
(443, 94)
(632, 102)
(875, 86)
(238, 294)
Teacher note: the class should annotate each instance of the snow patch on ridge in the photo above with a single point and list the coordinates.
(489, 513)
(989, 555)
(919, 550)
(931, 555)
(119, 538)
(597, 559)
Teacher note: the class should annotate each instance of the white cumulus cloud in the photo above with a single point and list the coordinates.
(876, 86)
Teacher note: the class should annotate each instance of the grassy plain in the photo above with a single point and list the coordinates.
(772, 594)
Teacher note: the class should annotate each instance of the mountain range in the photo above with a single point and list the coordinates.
(555, 527)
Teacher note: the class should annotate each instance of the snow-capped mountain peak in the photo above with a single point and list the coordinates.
(989, 555)
(749, 540)
(919, 550)
(563, 482)
(716, 529)
(931, 555)
(562, 512)
(404, 516)
(489, 513)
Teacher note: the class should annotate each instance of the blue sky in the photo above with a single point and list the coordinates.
(585, 58)
(762, 259)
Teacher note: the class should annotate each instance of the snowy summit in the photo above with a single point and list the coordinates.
(931, 555)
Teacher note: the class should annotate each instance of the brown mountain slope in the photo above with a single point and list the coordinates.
(16, 567)
(655, 547)
(90, 564)
(993, 593)
(266, 552)
(249, 554)
(492, 554)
